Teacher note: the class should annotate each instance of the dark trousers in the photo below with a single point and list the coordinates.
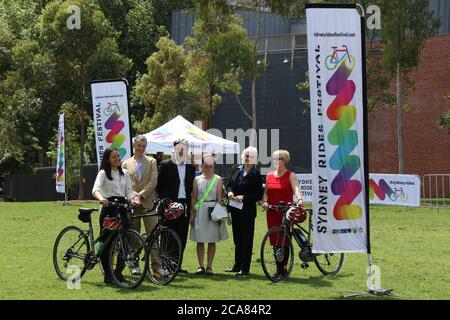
(104, 234)
(181, 226)
(243, 232)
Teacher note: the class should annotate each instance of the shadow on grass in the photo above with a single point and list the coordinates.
(366, 297)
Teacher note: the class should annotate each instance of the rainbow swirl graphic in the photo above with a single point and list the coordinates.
(164, 133)
(60, 176)
(346, 141)
(193, 131)
(381, 190)
(114, 137)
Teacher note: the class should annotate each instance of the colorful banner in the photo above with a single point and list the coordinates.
(337, 132)
(60, 158)
(394, 190)
(305, 181)
(111, 121)
(384, 189)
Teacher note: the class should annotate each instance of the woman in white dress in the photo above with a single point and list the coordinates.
(203, 229)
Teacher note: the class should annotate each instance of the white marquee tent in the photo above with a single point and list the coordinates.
(162, 138)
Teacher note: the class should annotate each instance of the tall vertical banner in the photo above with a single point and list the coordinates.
(335, 58)
(61, 158)
(111, 118)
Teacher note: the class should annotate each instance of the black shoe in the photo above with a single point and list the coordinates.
(241, 273)
(108, 280)
(232, 270)
(182, 271)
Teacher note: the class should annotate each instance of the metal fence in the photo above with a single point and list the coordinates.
(436, 191)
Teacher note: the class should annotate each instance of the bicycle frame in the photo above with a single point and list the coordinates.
(304, 231)
(336, 50)
(149, 237)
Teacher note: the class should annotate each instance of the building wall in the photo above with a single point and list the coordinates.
(426, 146)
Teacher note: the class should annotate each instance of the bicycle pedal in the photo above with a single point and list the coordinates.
(304, 265)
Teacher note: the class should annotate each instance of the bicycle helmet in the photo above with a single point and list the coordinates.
(296, 214)
(112, 223)
(173, 211)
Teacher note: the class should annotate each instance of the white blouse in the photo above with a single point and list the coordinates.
(119, 186)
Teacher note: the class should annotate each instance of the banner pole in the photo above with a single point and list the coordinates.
(370, 288)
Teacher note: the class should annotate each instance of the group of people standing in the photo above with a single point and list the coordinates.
(138, 179)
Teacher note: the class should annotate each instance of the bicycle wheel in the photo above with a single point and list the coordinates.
(70, 251)
(164, 252)
(128, 261)
(277, 254)
(329, 263)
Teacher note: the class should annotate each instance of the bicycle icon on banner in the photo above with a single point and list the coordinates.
(334, 60)
(398, 194)
(111, 108)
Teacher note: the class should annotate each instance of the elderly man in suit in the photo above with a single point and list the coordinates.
(144, 177)
(175, 181)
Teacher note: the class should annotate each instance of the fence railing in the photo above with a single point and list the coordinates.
(436, 191)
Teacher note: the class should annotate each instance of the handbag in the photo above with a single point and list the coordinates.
(219, 213)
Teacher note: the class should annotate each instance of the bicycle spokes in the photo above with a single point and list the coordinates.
(128, 259)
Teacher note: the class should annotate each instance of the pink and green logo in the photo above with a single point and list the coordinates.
(382, 189)
(115, 137)
(344, 138)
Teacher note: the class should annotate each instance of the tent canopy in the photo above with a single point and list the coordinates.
(162, 138)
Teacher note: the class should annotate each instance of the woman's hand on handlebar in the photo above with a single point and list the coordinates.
(104, 202)
(265, 205)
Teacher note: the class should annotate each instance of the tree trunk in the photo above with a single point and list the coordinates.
(211, 92)
(401, 164)
(253, 137)
(82, 138)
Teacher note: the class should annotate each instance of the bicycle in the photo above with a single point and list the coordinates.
(74, 249)
(333, 60)
(164, 244)
(277, 260)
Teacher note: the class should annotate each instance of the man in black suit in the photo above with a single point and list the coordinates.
(175, 181)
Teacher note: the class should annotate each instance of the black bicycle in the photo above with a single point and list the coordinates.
(163, 246)
(75, 249)
(277, 250)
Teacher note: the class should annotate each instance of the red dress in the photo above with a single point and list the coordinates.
(278, 189)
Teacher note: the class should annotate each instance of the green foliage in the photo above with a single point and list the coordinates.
(405, 26)
(219, 53)
(159, 90)
(72, 142)
(444, 119)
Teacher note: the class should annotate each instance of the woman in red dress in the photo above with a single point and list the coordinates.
(281, 185)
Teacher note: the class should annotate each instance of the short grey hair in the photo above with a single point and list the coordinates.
(140, 137)
(252, 152)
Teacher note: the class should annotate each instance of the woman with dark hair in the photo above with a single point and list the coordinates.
(112, 184)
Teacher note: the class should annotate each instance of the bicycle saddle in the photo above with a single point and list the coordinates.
(87, 210)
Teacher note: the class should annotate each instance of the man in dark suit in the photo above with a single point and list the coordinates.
(175, 181)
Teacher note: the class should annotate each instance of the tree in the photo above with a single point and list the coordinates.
(406, 24)
(72, 142)
(159, 90)
(218, 53)
(444, 119)
(81, 55)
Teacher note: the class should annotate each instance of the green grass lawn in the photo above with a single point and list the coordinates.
(411, 246)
